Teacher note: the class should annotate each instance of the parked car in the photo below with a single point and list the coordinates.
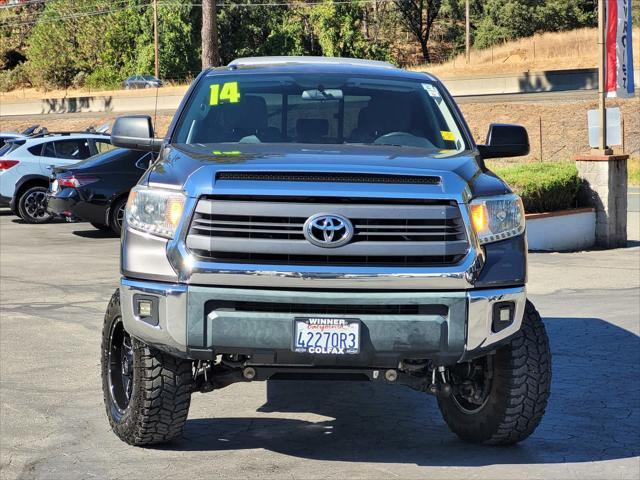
(96, 189)
(9, 136)
(323, 218)
(142, 81)
(25, 167)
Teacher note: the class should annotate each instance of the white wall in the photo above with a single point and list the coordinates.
(576, 231)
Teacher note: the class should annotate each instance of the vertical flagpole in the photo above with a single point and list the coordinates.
(602, 35)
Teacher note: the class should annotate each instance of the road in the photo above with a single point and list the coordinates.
(535, 97)
(57, 279)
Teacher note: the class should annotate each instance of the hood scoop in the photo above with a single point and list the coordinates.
(330, 177)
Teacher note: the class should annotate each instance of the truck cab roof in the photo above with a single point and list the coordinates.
(311, 64)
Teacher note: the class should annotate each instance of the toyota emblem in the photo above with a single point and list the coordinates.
(328, 230)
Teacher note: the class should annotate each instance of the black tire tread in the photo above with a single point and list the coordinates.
(161, 392)
(526, 372)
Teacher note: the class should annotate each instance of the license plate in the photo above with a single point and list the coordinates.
(326, 336)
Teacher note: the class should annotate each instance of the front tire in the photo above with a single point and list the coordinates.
(501, 398)
(32, 205)
(147, 393)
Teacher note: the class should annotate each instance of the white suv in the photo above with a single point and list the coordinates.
(25, 168)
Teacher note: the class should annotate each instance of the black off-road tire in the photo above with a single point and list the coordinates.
(520, 388)
(160, 394)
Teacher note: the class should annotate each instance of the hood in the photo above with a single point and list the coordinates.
(179, 163)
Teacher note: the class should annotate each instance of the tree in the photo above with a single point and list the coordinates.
(210, 53)
(62, 44)
(339, 28)
(418, 17)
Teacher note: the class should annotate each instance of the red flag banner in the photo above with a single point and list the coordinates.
(619, 56)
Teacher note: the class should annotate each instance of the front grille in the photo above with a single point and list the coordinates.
(329, 177)
(291, 228)
(324, 309)
(272, 232)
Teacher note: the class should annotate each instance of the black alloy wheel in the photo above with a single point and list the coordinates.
(120, 366)
(473, 384)
(32, 205)
(116, 215)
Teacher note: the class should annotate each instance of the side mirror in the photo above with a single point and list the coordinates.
(505, 140)
(136, 133)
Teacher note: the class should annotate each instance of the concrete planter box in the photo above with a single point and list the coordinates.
(565, 230)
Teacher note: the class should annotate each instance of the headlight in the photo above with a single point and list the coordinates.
(497, 218)
(155, 210)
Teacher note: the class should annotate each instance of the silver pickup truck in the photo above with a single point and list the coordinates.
(323, 218)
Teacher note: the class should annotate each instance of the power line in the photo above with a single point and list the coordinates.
(72, 16)
(22, 4)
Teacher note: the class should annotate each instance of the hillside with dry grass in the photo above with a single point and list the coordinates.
(545, 51)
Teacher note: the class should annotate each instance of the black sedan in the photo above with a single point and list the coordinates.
(96, 189)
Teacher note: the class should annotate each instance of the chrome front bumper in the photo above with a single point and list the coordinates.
(185, 329)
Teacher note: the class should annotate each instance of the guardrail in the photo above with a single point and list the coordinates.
(528, 82)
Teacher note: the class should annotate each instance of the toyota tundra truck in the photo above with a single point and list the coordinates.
(322, 218)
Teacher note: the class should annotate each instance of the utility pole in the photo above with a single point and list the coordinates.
(155, 36)
(602, 88)
(467, 32)
(210, 54)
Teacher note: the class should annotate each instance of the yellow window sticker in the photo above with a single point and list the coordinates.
(448, 135)
(225, 93)
(230, 152)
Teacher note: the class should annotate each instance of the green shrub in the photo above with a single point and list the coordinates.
(544, 187)
(17, 77)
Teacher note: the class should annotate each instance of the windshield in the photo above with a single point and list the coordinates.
(319, 109)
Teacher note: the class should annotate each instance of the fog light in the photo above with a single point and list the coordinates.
(503, 315)
(145, 308)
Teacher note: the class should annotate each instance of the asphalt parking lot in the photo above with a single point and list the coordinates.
(56, 281)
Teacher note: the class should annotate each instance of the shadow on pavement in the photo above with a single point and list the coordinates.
(593, 414)
(22, 222)
(95, 233)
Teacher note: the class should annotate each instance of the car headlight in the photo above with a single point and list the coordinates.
(497, 218)
(155, 210)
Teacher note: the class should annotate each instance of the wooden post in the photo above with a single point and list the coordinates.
(540, 132)
(155, 37)
(602, 35)
(467, 37)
